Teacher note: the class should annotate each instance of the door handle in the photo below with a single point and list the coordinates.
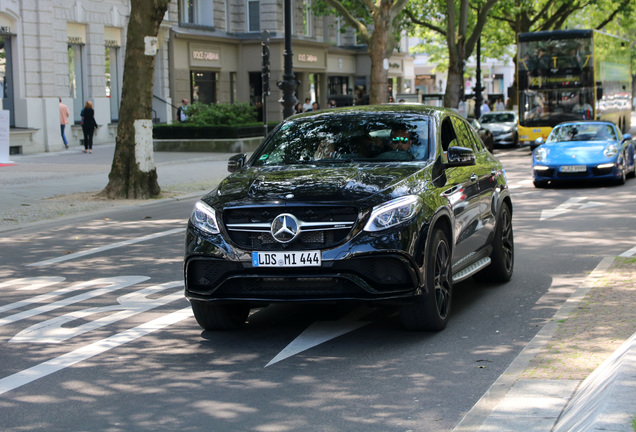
(473, 177)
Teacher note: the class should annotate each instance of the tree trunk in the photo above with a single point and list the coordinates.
(133, 173)
(454, 84)
(378, 91)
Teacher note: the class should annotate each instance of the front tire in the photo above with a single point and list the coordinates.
(431, 311)
(503, 251)
(212, 316)
(623, 176)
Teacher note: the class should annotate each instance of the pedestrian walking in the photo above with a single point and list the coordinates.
(64, 115)
(88, 126)
(182, 115)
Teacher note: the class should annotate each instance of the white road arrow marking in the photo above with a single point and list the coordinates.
(576, 202)
(321, 332)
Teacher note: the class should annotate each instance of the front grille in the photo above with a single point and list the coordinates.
(325, 226)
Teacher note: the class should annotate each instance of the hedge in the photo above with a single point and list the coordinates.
(186, 131)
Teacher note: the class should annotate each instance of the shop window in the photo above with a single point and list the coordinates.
(76, 80)
(112, 82)
(253, 16)
(337, 85)
(256, 87)
(307, 18)
(197, 12)
(203, 86)
(232, 87)
(6, 78)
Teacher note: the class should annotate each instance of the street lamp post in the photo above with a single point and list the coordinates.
(478, 87)
(289, 83)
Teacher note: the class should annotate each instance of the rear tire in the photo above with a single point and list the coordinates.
(212, 316)
(431, 311)
(503, 251)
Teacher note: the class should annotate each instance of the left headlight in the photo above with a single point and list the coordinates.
(204, 218)
(610, 150)
(393, 212)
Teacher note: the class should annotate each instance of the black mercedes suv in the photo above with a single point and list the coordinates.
(390, 204)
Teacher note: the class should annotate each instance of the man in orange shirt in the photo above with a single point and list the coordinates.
(64, 115)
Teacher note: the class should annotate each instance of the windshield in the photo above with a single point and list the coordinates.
(347, 137)
(550, 107)
(582, 132)
(497, 118)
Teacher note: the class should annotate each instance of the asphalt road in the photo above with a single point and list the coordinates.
(95, 333)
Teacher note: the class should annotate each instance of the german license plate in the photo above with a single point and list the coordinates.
(573, 168)
(286, 259)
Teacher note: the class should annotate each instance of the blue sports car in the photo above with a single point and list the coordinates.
(584, 150)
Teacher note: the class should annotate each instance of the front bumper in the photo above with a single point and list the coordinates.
(592, 172)
(368, 268)
(504, 138)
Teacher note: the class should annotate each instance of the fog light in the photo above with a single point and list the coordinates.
(607, 165)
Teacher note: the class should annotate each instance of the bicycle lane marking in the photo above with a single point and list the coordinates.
(64, 361)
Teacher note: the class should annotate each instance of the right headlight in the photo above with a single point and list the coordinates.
(204, 218)
(540, 154)
(393, 212)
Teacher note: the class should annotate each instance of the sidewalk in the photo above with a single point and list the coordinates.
(554, 384)
(53, 185)
(528, 396)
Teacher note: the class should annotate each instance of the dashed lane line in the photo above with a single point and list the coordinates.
(104, 248)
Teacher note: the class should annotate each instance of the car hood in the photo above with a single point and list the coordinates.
(577, 152)
(323, 183)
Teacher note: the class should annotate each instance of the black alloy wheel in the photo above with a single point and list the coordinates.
(431, 311)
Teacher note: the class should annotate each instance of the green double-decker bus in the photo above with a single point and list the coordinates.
(566, 75)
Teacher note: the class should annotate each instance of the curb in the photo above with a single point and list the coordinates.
(485, 407)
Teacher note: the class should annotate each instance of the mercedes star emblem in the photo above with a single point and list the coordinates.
(285, 228)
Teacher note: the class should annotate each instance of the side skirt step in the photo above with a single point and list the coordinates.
(471, 270)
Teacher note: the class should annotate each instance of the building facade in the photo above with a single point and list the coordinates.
(209, 51)
(216, 49)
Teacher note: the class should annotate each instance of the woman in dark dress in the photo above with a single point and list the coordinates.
(88, 126)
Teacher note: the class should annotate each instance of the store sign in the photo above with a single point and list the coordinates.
(205, 55)
(5, 30)
(308, 58)
(111, 43)
(75, 40)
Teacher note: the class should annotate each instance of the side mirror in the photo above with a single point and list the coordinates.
(460, 156)
(236, 162)
(539, 141)
(627, 137)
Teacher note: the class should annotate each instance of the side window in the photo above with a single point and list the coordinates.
(477, 142)
(464, 135)
(448, 133)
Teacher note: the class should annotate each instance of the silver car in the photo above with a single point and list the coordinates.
(503, 125)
